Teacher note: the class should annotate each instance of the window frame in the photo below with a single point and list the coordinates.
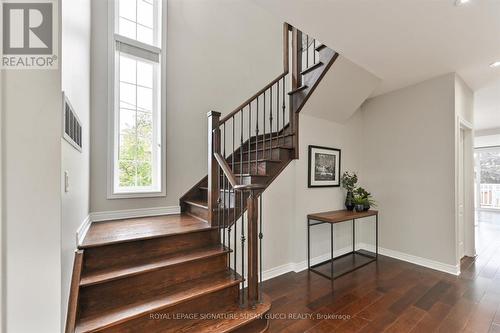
(113, 103)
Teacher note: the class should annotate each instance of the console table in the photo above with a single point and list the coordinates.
(335, 267)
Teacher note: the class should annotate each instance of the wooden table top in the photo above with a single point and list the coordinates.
(337, 216)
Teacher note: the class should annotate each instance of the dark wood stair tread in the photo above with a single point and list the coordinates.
(320, 47)
(255, 161)
(197, 202)
(262, 149)
(238, 318)
(298, 89)
(176, 294)
(248, 175)
(311, 68)
(127, 230)
(113, 273)
(267, 137)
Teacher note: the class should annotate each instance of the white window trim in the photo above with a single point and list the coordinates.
(111, 194)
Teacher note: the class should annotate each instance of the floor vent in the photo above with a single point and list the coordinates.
(72, 126)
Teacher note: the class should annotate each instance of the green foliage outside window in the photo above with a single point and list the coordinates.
(135, 156)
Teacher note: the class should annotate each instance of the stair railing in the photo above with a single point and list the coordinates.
(236, 143)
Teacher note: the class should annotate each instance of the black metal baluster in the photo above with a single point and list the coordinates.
(241, 178)
(242, 250)
(283, 108)
(261, 235)
(223, 204)
(278, 113)
(232, 149)
(228, 209)
(224, 181)
(241, 143)
(219, 180)
(271, 123)
(314, 51)
(257, 137)
(264, 135)
(229, 231)
(307, 51)
(249, 135)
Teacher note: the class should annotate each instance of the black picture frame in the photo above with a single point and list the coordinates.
(312, 181)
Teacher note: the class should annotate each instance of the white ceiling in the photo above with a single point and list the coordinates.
(404, 41)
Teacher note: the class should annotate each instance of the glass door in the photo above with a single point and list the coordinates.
(487, 177)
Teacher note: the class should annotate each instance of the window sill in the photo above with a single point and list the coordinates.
(132, 195)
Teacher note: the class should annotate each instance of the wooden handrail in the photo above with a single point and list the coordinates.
(226, 169)
(249, 187)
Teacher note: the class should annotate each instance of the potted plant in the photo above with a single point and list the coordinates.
(349, 181)
(359, 203)
(365, 198)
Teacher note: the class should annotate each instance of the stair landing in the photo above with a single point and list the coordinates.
(127, 230)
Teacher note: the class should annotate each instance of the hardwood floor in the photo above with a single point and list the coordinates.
(394, 296)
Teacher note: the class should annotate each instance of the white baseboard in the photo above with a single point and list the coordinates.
(429, 263)
(275, 271)
(82, 230)
(300, 266)
(133, 213)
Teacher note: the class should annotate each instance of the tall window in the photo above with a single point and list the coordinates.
(138, 130)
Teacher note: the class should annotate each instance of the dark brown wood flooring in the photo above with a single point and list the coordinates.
(394, 296)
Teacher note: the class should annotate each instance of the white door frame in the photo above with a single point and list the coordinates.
(468, 188)
(461, 195)
(2, 252)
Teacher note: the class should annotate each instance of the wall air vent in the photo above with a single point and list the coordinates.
(72, 125)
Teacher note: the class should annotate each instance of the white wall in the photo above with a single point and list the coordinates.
(31, 107)
(408, 163)
(2, 195)
(347, 137)
(75, 83)
(218, 54)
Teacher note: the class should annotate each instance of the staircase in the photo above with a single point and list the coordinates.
(162, 274)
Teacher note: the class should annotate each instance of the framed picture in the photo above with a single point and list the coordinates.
(324, 167)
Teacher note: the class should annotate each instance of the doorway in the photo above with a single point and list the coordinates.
(487, 196)
(461, 195)
(465, 233)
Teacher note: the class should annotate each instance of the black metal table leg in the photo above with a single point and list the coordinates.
(308, 244)
(376, 236)
(353, 235)
(331, 250)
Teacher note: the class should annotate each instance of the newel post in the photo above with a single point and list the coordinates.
(296, 83)
(253, 256)
(213, 181)
(296, 58)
